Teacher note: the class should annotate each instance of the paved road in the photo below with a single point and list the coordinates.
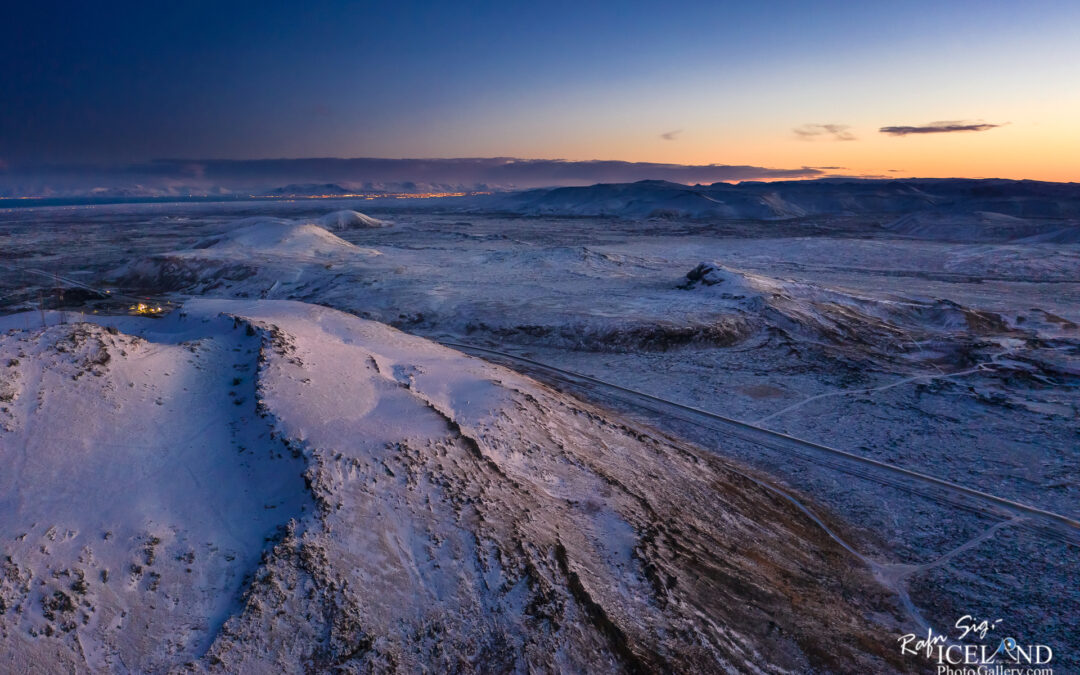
(985, 502)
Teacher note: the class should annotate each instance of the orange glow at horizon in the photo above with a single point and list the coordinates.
(1034, 137)
(1046, 152)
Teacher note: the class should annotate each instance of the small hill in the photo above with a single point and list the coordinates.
(276, 236)
(349, 220)
(255, 255)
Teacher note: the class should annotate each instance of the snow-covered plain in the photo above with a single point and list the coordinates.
(960, 359)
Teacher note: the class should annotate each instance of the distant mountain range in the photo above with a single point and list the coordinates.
(193, 177)
(793, 199)
(316, 190)
(967, 209)
(957, 209)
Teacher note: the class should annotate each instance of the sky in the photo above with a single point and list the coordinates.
(944, 88)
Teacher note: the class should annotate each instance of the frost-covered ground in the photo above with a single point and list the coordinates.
(958, 360)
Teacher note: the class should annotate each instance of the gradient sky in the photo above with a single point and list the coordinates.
(727, 83)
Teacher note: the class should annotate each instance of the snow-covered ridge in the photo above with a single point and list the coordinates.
(456, 515)
(138, 492)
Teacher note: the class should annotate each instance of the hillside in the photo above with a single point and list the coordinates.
(451, 514)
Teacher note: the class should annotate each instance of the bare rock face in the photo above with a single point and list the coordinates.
(455, 516)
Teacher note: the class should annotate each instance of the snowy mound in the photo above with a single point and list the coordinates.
(349, 220)
(732, 284)
(452, 515)
(256, 255)
(279, 237)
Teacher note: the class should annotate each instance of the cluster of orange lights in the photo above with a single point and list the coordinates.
(143, 309)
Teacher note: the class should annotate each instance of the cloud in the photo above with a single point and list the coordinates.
(671, 135)
(838, 132)
(938, 128)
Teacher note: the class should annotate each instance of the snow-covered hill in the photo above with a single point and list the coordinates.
(348, 219)
(276, 236)
(451, 515)
(139, 489)
(262, 250)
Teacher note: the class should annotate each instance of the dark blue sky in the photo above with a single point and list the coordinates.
(727, 82)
